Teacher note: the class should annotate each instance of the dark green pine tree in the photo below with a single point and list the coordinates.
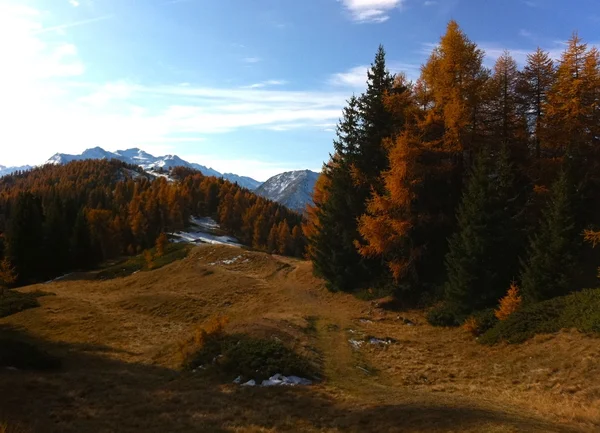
(56, 238)
(24, 236)
(377, 123)
(470, 273)
(335, 257)
(81, 252)
(548, 267)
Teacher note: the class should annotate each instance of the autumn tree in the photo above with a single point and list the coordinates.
(161, 245)
(510, 303)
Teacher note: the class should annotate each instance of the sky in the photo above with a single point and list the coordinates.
(250, 87)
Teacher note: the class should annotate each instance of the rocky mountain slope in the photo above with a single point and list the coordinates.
(147, 162)
(293, 189)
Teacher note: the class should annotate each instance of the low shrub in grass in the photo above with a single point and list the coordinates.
(173, 252)
(25, 356)
(12, 301)
(241, 355)
(442, 315)
(579, 310)
(480, 322)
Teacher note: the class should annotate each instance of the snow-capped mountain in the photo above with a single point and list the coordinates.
(10, 170)
(292, 189)
(147, 162)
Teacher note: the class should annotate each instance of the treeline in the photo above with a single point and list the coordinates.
(58, 218)
(453, 187)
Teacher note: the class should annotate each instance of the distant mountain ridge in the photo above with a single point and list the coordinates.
(4, 171)
(147, 161)
(292, 189)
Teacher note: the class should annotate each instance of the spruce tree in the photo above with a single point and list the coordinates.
(470, 273)
(482, 257)
(24, 236)
(548, 267)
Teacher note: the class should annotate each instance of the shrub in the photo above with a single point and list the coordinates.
(510, 303)
(442, 315)
(241, 355)
(480, 322)
(12, 302)
(579, 310)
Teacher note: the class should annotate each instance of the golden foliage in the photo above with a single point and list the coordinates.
(214, 328)
(471, 325)
(592, 237)
(148, 260)
(8, 274)
(161, 244)
(510, 303)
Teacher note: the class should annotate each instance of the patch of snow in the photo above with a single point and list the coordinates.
(237, 380)
(281, 380)
(201, 232)
(62, 277)
(356, 344)
(250, 383)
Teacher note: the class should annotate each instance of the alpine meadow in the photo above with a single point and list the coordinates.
(438, 274)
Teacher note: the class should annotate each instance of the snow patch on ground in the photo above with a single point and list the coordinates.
(277, 380)
(204, 230)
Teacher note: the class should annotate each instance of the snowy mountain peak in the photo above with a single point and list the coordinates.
(147, 161)
(293, 189)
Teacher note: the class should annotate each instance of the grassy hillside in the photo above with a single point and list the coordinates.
(119, 342)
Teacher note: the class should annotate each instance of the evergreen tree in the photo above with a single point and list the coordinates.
(535, 83)
(470, 273)
(548, 267)
(24, 237)
(81, 251)
(56, 238)
(482, 256)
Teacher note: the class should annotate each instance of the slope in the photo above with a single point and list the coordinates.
(119, 341)
(293, 189)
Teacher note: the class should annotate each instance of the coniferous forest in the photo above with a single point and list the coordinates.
(56, 219)
(451, 190)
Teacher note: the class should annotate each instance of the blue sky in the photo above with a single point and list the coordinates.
(253, 87)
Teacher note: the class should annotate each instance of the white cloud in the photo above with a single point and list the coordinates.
(375, 11)
(74, 3)
(267, 83)
(252, 59)
(356, 77)
(430, 3)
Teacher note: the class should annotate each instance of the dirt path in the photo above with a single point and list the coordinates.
(119, 339)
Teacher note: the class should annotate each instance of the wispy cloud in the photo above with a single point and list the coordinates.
(374, 11)
(74, 3)
(265, 84)
(252, 59)
(356, 77)
(73, 24)
(430, 3)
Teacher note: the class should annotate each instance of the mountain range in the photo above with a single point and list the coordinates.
(137, 156)
(293, 189)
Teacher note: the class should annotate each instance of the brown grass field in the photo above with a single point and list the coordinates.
(119, 341)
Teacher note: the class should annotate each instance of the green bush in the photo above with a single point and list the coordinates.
(25, 356)
(12, 301)
(249, 357)
(486, 320)
(579, 310)
(442, 315)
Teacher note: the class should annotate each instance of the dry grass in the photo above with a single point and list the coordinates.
(119, 340)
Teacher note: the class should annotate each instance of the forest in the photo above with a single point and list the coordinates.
(55, 219)
(468, 189)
